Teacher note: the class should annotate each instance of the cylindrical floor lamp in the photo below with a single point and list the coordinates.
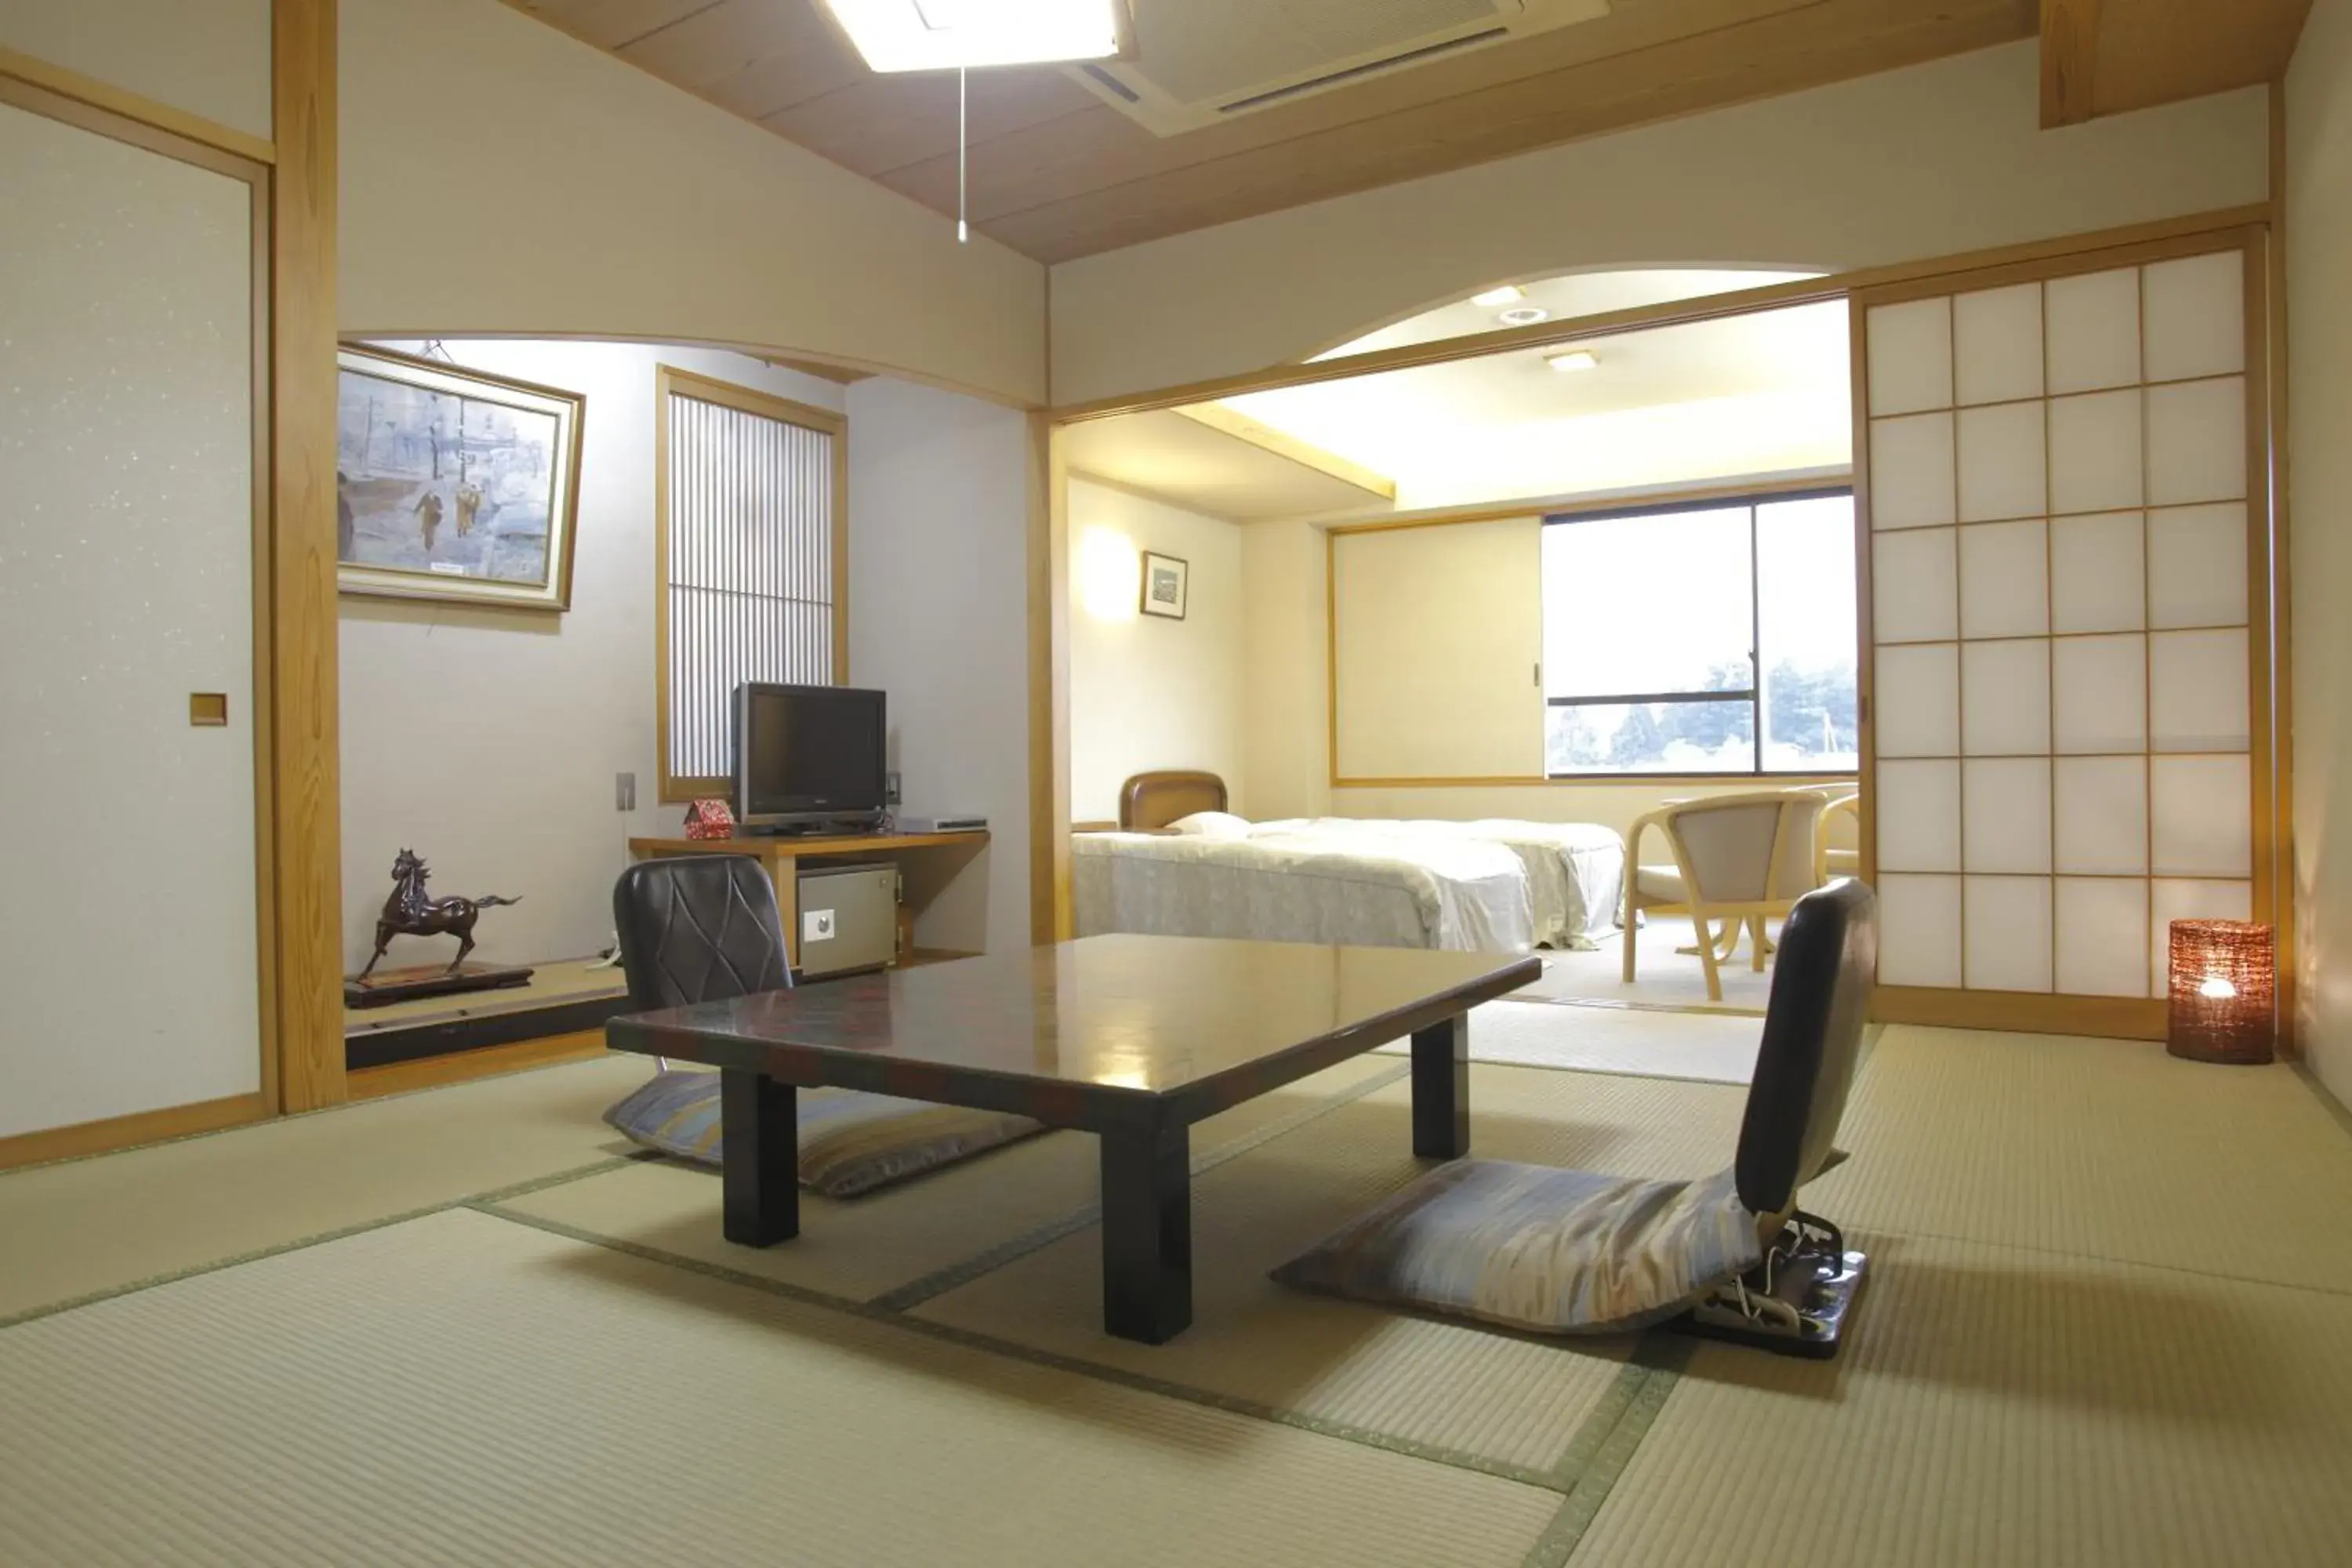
(2224, 987)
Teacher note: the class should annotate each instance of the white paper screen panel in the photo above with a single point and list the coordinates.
(750, 569)
(2062, 584)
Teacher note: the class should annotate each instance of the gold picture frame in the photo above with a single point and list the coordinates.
(454, 484)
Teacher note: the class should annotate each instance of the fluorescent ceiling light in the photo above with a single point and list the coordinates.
(1508, 294)
(1574, 359)
(940, 35)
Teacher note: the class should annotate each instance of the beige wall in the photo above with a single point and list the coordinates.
(1145, 692)
(2319, 346)
(499, 176)
(487, 740)
(207, 58)
(1284, 640)
(1924, 162)
(938, 617)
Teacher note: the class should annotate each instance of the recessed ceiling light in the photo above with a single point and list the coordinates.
(1574, 359)
(1525, 316)
(1508, 294)
(940, 35)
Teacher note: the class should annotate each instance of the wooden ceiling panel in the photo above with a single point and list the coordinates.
(1707, 72)
(2110, 57)
(719, 40)
(609, 24)
(1017, 172)
(2159, 51)
(1058, 172)
(877, 124)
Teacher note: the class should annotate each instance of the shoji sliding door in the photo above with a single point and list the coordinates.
(129, 424)
(2067, 547)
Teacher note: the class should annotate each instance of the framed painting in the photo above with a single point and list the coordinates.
(1167, 584)
(451, 484)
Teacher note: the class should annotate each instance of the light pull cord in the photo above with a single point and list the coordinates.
(963, 144)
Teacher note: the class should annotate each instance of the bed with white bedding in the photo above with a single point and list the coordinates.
(1466, 895)
(1575, 870)
(1570, 873)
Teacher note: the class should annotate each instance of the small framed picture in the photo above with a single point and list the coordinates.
(1166, 581)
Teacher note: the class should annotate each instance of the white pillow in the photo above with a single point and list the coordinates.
(1212, 824)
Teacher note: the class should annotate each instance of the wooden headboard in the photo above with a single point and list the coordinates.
(1154, 800)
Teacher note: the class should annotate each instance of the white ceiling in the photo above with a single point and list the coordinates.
(1745, 396)
(1189, 465)
(1564, 299)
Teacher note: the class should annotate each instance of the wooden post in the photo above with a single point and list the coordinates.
(305, 764)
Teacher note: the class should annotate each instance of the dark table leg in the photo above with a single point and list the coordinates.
(758, 1158)
(1146, 1234)
(1441, 1090)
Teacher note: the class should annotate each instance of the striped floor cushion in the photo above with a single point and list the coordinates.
(850, 1142)
(1538, 1248)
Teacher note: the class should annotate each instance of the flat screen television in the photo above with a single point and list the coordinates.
(809, 757)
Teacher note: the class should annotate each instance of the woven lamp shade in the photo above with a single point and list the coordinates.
(2224, 985)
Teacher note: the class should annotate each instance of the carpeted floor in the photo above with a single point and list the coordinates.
(1640, 1042)
(2104, 1326)
(1661, 978)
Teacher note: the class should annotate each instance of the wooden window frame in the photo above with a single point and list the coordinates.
(673, 383)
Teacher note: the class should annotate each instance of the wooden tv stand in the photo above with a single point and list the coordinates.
(927, 863)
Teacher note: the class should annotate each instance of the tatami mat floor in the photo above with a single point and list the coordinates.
(2104, 1326)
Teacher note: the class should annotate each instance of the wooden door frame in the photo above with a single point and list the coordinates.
(298, 874)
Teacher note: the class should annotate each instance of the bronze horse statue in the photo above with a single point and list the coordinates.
(408, 912)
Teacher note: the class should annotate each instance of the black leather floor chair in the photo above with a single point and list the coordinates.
(1731, 1255)
(1797, 1297)
(698, 928)
(706, 928)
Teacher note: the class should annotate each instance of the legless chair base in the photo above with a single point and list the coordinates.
(1795, 1302)
(1739, 859)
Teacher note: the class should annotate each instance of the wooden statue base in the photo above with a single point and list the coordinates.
(386, 986)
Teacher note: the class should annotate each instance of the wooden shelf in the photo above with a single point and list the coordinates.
(789, 848)
(464, 1066)
(927, 863)
(922, 956)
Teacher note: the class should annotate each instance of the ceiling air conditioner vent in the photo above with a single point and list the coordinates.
(1197, 62)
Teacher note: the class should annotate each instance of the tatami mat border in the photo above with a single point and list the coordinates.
(1590, 1438)
(286, 1116)
(493, 1195)
(906, 1297)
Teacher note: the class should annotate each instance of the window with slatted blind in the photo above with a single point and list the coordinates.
(752, 550)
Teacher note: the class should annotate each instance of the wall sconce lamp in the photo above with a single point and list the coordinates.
(2224, 985)
(1110, 574)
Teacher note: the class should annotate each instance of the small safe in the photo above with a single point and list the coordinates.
(849, 919)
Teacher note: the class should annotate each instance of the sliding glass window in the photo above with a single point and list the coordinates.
(1716, 638)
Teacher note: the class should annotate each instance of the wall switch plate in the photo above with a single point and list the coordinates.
(890, 787)
(624, 792)
(816, 925)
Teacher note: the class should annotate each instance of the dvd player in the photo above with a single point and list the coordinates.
(945, 823)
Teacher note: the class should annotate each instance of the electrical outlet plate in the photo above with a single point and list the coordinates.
(624, 792)
(890, 788)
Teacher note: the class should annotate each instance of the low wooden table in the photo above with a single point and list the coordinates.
(1133, 1038)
